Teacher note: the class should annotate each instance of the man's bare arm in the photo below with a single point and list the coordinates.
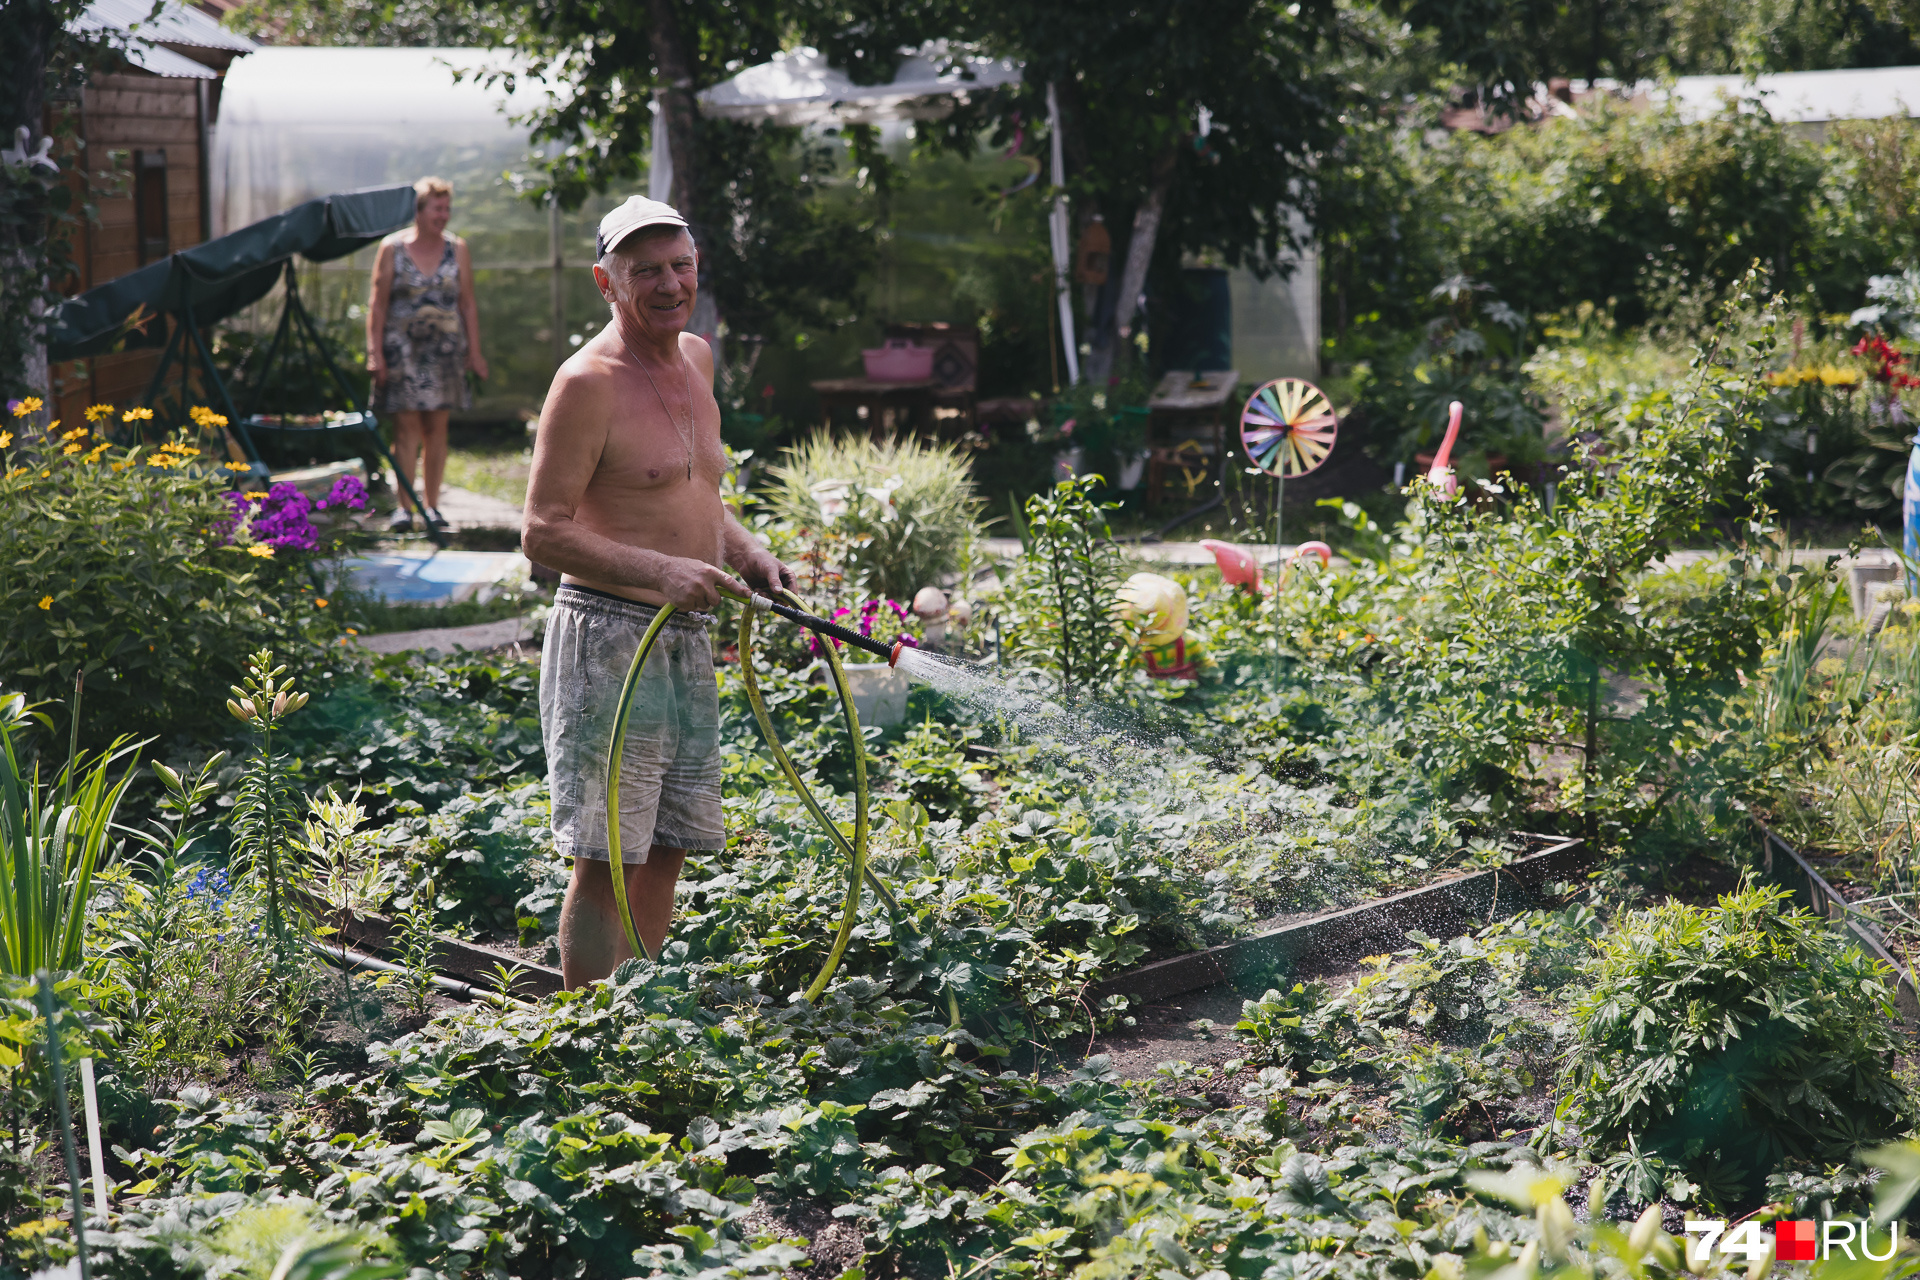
(566, 451)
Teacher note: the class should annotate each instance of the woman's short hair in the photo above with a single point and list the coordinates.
(427, 188)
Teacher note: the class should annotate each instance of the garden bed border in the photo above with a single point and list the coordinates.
(1438, 908)
(1810, 889)
(1443, 906)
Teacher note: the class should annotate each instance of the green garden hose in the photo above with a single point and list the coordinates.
(856, 850)
(616, 867)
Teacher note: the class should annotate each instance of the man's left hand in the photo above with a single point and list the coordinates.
(764, 572)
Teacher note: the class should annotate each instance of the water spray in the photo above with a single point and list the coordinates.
(855, 850)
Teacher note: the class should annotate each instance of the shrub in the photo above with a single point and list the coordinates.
(1719, 1043)
(118, 564)
(904, 510)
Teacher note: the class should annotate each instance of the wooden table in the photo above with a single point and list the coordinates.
(1185, 426)
(890, 406)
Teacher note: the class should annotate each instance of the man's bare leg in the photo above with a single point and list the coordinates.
(592, 943)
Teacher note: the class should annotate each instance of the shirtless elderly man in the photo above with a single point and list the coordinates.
(624, 500)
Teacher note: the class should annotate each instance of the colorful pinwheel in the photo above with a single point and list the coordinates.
(1288, 427)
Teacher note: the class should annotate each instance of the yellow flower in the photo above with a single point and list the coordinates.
(45, 474)
(239, 466)
(161, 460)
(184, 450)
(262, 550)
(93, 454)
(16, 473)
(32, 404)
(46, 602)
(205, 417)
(6, 439)
(254, 495)
(78, 433)
(71, 449)
(1835, 377)
(96, 412)
(137, 415)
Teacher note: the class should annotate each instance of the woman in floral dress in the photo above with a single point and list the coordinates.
(423, 335)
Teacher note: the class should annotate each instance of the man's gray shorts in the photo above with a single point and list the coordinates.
(670, 775)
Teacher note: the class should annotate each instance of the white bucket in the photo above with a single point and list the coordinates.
(879, 692)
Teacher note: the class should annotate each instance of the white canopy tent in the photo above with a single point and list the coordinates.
(799, 87)
(1802, 97)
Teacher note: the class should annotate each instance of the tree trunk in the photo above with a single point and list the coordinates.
(678, 115)
(1109, 353)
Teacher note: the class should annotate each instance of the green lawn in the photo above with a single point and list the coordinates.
(498, 470)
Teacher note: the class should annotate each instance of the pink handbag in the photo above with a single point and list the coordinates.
(898, 361)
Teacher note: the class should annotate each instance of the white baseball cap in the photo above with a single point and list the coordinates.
(637, 212)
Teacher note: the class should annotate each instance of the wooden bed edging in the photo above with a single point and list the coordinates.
(1438, 909)
(470, 962)
(1810, 889)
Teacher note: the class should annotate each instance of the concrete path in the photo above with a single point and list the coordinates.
(481, 635)
(426, 575)
(465, 509)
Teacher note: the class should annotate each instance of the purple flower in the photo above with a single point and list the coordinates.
(280, 520)
(349, 492)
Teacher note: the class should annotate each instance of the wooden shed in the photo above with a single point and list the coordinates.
(141, 137)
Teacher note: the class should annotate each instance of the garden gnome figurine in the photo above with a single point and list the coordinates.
(930, 606)
(1440, 475)
(1239, 567)
(1156, 607)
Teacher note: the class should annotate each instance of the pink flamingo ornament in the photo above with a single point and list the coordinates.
(1300, 553)
(1238, 566)
(1440, 474)
(1241, 568)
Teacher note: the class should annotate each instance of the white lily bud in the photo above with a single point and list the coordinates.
(1640, 1239)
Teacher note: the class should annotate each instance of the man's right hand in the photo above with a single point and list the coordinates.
(695, 584)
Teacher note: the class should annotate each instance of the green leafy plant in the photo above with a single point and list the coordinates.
(1724, 1041)
(55, 836)
(902, 510)
(1060, 605)
(266, 821)
(114, 563)
(419, 947)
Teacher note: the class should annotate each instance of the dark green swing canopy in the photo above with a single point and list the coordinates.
(167, 304)
(212, 281)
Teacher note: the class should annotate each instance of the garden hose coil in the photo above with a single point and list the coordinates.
(855, 849)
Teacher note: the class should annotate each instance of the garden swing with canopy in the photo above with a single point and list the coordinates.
(197, 287)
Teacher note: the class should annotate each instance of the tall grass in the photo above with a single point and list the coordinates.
(55, 834)
(902, 510)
